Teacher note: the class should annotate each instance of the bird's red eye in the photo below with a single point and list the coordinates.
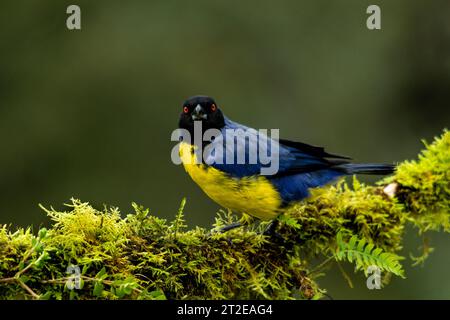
(213, 107)
(185, 109)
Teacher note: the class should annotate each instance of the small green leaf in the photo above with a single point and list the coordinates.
(157, 295)
(85, 269)
(42, 233)
(46, 295)
(72, 295)
(39, 263)
(81, 283)
(289, 221)
(101, 275)
(24, 278)
(98, 289)
(120, 293)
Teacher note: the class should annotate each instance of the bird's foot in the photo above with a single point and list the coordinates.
(230, 227)
(225, 229)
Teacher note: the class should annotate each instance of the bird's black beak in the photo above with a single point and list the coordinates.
(199, 113)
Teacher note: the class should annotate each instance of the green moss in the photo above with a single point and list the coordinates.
(425, 186)
(144, 257)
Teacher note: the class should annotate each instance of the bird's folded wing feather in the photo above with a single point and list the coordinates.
(293, 157)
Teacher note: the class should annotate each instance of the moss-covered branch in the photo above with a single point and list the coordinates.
(89, 254)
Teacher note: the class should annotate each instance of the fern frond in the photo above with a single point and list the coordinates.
(365, 254)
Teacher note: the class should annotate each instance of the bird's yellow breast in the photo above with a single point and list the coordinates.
(253, 195)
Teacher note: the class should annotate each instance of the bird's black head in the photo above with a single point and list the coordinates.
(201, 108)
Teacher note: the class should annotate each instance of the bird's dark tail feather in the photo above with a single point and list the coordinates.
(367, 168)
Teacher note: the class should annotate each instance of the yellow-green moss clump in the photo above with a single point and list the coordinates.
(92, 254)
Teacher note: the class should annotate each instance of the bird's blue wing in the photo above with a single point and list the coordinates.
(293, 158)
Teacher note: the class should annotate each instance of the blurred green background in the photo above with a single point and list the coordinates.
(88, 114)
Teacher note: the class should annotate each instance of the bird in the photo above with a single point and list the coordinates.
(241, 187)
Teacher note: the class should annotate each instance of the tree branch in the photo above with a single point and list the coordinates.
(142, 256)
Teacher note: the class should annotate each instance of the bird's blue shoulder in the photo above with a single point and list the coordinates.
(241, 151)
